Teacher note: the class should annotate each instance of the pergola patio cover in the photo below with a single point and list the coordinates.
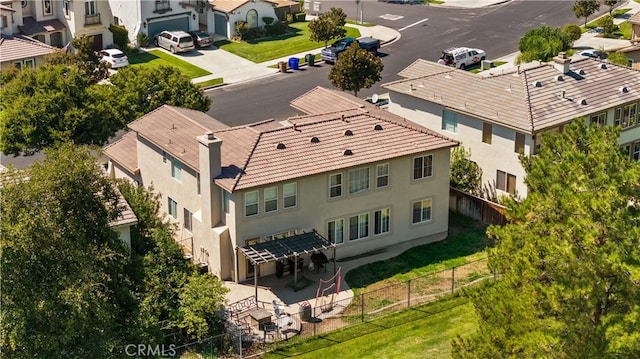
(286, 247)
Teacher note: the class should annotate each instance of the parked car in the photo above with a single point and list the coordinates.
(330, 54)
(462, 57)
(596, 54)
(114, 57)
(175, 41)
(201, 39)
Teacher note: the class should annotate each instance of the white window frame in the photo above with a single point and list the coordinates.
(361, 226)
(382, 221)
(90, 8)
(272, 237)
(172, 207)
(449, 123)
(335, 231)
(504, 185)
(382, 171)
(176, 170)
(270, 196)
(337, 184)
(359, 180)
(188, 220)
(423, 168)
(248, 201)
(426, 211)
(287, 194)
(198, 188)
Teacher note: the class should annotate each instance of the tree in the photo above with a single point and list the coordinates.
(65, 290)
(355, 69)
(607, 25)
(466, 175)
(329, 25)
(569, 282)
(82, 55)
(58, 103)
(611, 4)
(585, 8)
(542, 44)
(572, 32)
(618, 58)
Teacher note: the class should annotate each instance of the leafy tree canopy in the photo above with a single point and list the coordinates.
(356, 69)
(82, 56)
(585, 8)
(542, 43)
(611, 4)
(569, 259)
(466, 175)
(618, 58)
(329, 25)
(572, 31)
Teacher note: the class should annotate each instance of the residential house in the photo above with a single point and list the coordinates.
(56, 22)
(22, 52)
(632, 51)
(229, 12)
(358, 180)
(504, 114)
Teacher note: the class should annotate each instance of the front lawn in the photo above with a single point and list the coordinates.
(419, 332)
(296, 41)
(156, 58)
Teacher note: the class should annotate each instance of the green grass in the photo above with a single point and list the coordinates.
(210, 83)
(294, 42)
(466, 243)
(619, 12)
(365, 24)
(419, 332)
(156, 58)
(624, 31)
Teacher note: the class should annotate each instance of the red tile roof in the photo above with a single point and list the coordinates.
(322, 100)
(18, 47)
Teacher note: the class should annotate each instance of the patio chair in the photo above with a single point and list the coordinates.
(278, 309)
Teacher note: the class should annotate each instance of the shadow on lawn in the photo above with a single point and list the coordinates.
(466, 237)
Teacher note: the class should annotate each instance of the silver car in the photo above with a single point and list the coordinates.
(175, 41)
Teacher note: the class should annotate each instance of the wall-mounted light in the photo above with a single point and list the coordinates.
(144, 24)
(193, 16)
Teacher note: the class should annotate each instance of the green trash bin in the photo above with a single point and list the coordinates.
(310, 58)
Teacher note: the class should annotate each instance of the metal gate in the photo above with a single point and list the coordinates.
(220, 22)
(181, 23)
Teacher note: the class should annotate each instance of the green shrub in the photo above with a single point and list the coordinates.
(242, 28)
(300, 17)
(606, 23)
(290, 18)
(572, 31)
(143, 40)
(120, 36)
(278, 28)
(267, 20)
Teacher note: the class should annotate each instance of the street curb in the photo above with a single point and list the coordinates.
(467, 7)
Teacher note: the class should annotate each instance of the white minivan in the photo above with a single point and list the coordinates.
(175, 41)
(462, 57)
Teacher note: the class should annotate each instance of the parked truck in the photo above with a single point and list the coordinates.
(330, 54)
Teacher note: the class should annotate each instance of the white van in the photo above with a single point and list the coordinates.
(462, 57)
(175, 41)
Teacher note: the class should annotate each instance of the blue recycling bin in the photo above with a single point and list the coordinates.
(293, 63)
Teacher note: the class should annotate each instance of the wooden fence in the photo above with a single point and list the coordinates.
(476, 207)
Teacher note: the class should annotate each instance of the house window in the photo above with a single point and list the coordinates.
(226, 200)
(162, 5)
(335, 231)
(18, 65)
(290, 192)
(31, 63)
(519, 143)
(198, 190)
(47, 8)
(635, 153)
(421, 211)
(617, 116)
(4, 22)
(176, 169)
(251, 203)
(449, 121)
(599, 119)
(382, 175)
(173, 208)
(487, 132)
(359, 180)
(272, 237)
(188, 220)
(271, 199)
(90, 7)
(629, 116)
(335, 185)
(422, 167)
(165, 156)
(66, 8)
(359, 226)
(506, 182)
(381, 221)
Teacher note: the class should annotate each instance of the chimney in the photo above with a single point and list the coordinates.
(209, 163)
(209, 155)
(562, 63)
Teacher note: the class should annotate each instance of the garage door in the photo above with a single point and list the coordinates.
(181, 23)
(220, 24)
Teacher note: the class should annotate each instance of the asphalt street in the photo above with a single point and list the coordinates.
(425, 31)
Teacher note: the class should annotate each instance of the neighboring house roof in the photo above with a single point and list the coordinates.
(269, 151)
(123, 152)
(322, 100)
(126, 217)
(18, 47)
(228, 6)
(175, 129)
(528, 99)
(422, 67)
(31, 26)
(635, 19)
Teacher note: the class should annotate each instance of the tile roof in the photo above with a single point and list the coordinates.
(175, 129)
(228, 6)
(31, 26)
(528, 99)
(422, 67)
(635, 19)
(322, 100)
(126, 217)
(123, 151)
(252, 155)
(18, 47)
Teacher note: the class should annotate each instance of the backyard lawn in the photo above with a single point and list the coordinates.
(294, 42)
(156, 58)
